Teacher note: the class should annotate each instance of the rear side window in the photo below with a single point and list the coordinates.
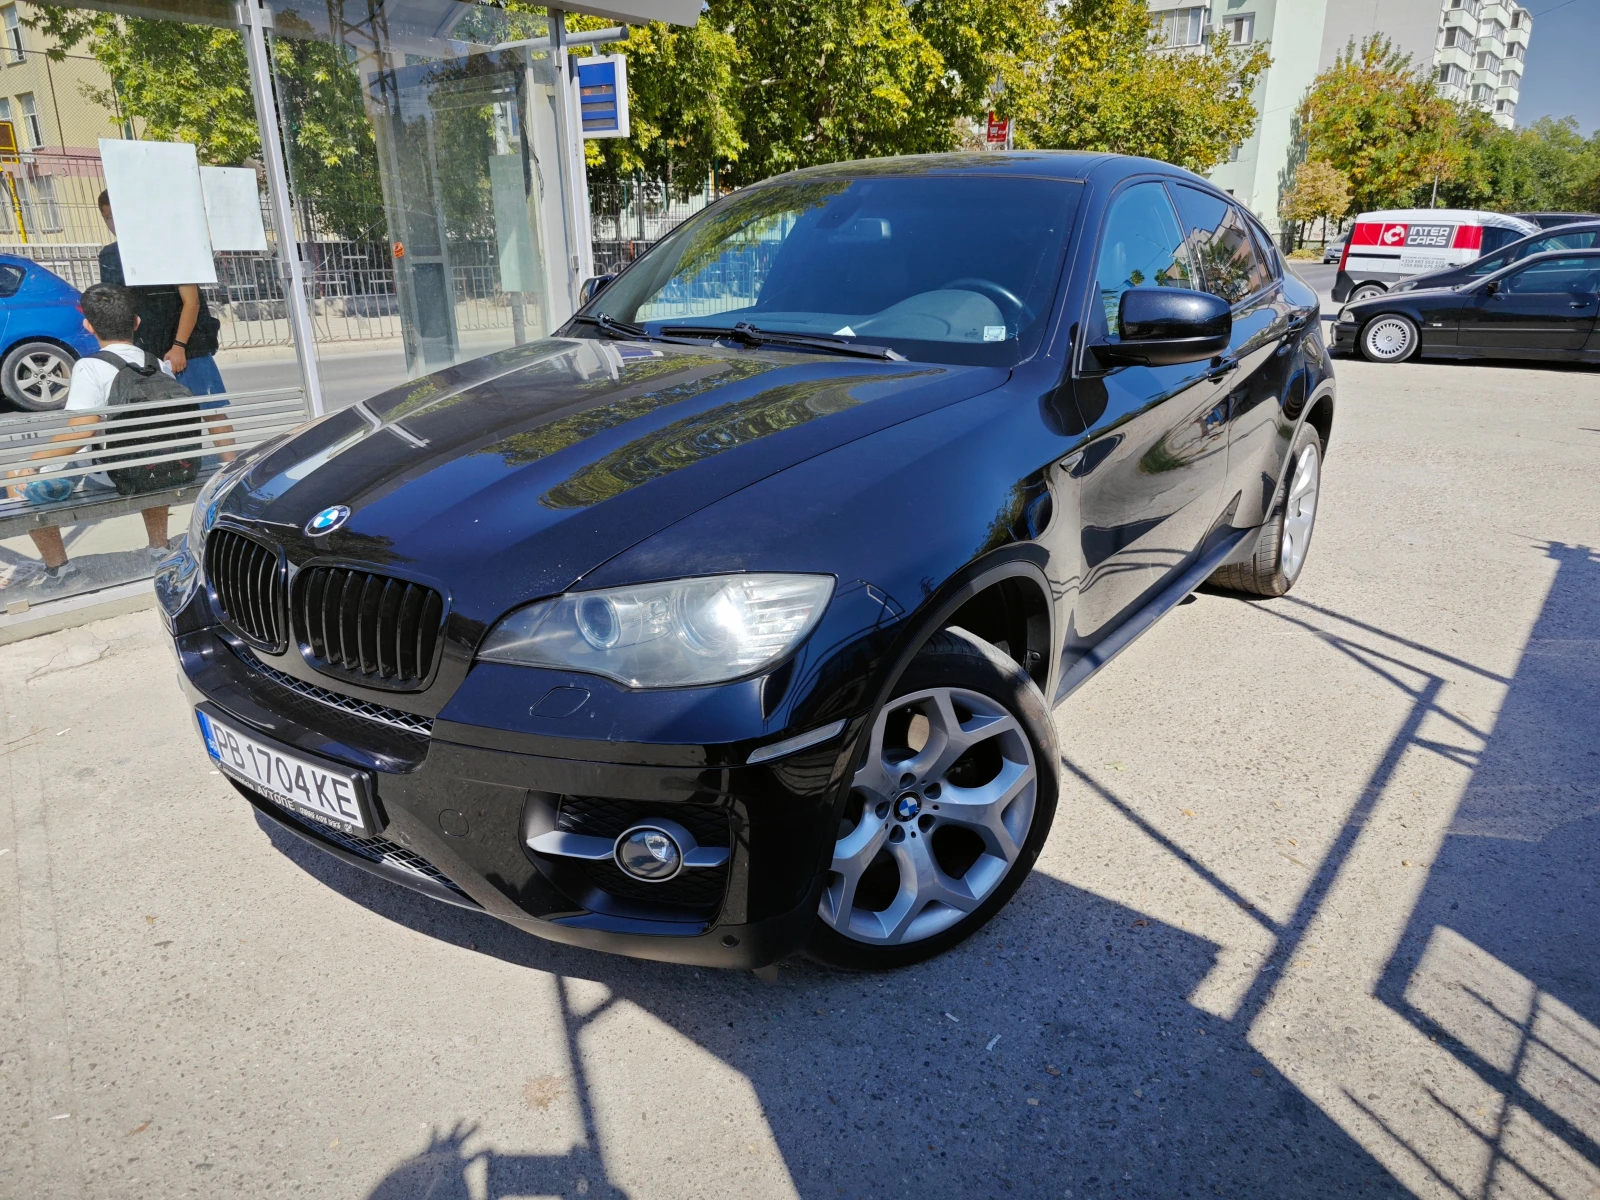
(1219, 241)
(11, 278)
(1142, 246)
(1266, 254)
(1558, 276)
(1562, 241)
(1496, 237)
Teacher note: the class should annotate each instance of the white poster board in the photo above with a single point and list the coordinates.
(160, 211)
(513, 225)
(233, 208)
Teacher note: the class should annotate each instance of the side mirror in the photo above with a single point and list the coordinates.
(1162, 327)
(593, 287)
(1492, 288)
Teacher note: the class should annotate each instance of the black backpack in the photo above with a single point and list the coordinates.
(145, 383)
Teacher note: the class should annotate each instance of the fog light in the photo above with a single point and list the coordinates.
(648, 853)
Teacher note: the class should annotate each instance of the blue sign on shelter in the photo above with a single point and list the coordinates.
(603, 95)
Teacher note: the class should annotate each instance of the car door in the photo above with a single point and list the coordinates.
(1236, 267)
(1151, 475)
(1545, 307)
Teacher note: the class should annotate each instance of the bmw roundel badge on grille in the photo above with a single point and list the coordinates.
(327, 520)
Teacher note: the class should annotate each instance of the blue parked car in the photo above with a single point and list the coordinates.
(41, 330)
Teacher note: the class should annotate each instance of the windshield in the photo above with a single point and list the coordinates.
(938, 268)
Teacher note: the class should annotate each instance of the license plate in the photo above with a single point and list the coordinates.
(330, 795)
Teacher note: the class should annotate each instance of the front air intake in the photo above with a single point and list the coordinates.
(247, 577)
(368, 628)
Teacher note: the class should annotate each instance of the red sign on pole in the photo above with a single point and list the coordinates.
(999, 131)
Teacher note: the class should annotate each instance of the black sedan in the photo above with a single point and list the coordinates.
(729, 620)
(1579, 236)
(1541, 308)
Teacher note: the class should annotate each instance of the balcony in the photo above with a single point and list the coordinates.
(1459, 18)
(1455, 56)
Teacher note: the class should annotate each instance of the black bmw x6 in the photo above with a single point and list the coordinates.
(729, 619)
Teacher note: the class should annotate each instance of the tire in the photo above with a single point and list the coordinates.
(1282, 543)
(939, 832)
(1389, 338)
(1365, 291)
(35, 376)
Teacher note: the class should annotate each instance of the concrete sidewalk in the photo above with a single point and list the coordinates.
(1318, 917)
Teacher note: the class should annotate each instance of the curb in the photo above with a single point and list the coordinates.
(54, 615)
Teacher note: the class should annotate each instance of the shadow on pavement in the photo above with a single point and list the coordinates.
(1058, 1054)
(1500, 962)
(1075, 1062)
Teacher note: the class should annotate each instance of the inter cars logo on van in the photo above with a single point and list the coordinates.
(1437, 236)
(1401, 235)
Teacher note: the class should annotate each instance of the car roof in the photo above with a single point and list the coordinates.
(1054, 164)
(1457, 216)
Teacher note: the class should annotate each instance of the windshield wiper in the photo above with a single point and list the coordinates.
(747, 334)
(608, 324)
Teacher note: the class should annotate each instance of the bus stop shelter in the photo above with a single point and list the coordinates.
(475, 115)
(478, 237)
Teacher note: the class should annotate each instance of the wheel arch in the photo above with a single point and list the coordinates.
(1319, 414)
(1007, 596)
(48, 338)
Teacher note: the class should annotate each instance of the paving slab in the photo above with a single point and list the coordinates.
(1318, 917)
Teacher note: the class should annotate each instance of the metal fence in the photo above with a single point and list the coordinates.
(352, 285)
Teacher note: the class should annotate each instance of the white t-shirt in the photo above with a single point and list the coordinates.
(91, 378)
(91, 388)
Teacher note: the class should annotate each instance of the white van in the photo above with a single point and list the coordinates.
(1388, 246)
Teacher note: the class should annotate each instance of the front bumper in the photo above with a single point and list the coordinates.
(1344, 336)
(455, 818)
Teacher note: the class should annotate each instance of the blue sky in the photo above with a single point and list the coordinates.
(1558, 79)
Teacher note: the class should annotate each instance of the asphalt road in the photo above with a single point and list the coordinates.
(1318, 917)
(346, 378)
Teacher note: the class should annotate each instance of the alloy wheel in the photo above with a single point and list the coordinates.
(937, 817)
(1366, 292)
(1389, 339)
(43, 377)
(1300, 512)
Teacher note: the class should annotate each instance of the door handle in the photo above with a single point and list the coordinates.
(1221, 368)
(1581, 303)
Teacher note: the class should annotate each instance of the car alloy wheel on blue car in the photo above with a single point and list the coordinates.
(728, 620)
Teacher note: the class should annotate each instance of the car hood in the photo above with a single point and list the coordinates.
(511, 476)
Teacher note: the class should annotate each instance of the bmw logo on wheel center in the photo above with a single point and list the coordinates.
(908, 806)
(327, 520)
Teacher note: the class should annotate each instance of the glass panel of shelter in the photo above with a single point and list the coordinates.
(439, 215)
(461, 103)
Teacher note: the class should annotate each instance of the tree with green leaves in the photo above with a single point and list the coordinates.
(1379, 118)
(1547, 166)
(1098, 79)
(190, 83)
(1319, 191)
(759, 87)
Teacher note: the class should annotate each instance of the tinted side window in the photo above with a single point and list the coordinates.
(1563, 276)
(1566, 241)
(1219, 242)
(10, 279)
(1495, 237)
(1142, 247)
(1266, 254)
(1491, 263)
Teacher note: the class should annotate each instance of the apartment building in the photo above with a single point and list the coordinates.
(58, 129)
(1474, 48)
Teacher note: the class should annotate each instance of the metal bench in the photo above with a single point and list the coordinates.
(249, 419)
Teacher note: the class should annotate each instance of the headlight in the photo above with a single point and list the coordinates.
(655, 635)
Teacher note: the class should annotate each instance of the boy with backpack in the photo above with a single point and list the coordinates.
(121, 373)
